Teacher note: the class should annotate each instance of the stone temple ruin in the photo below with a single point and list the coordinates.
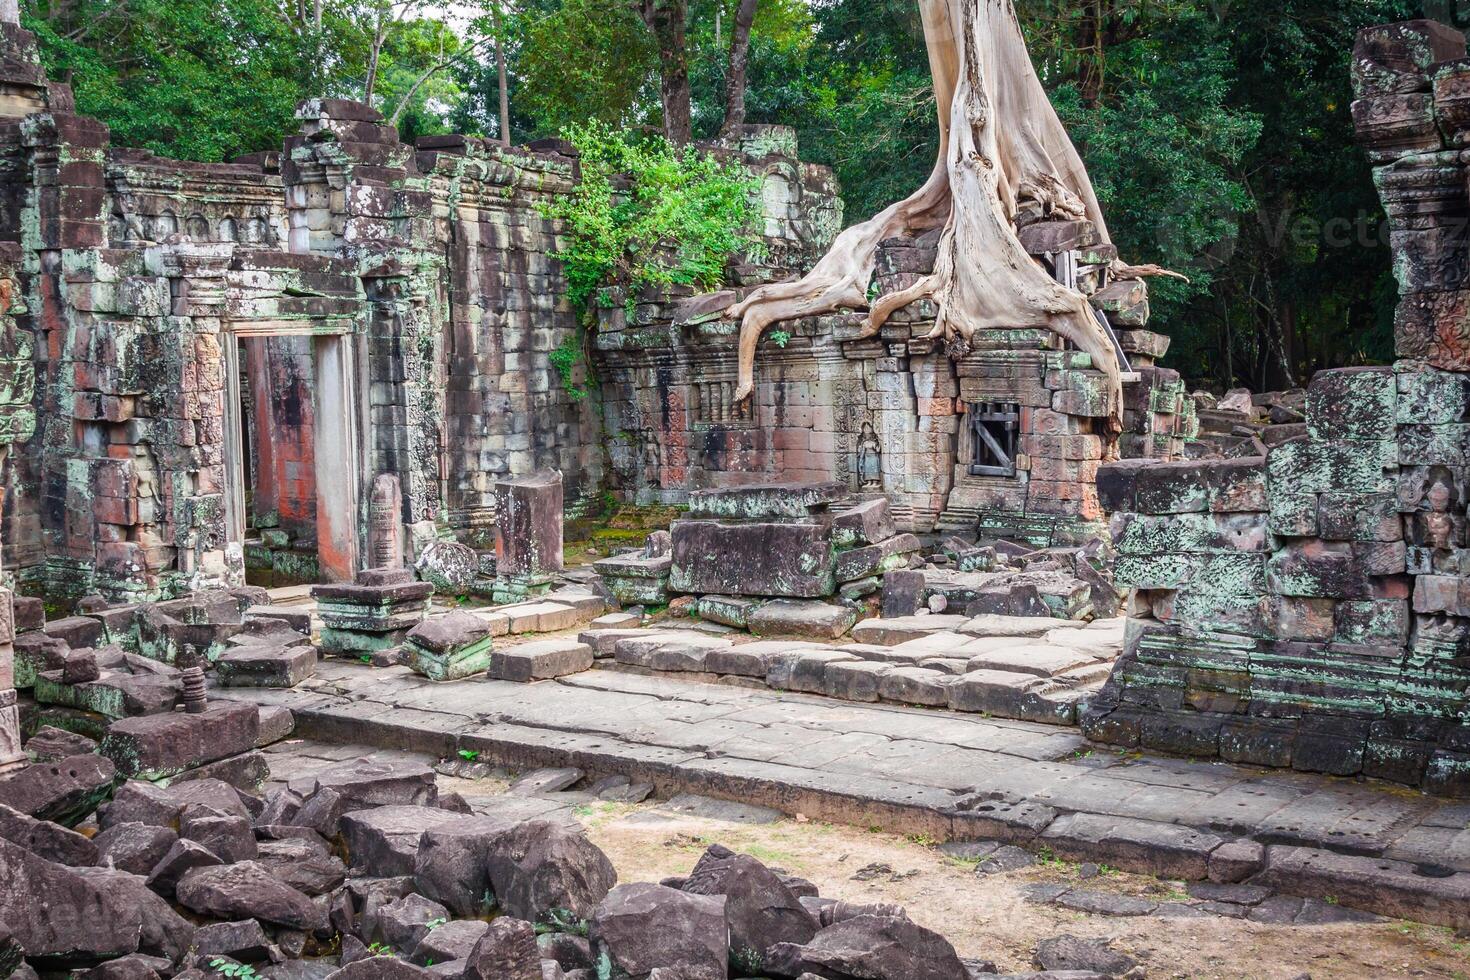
(303, 424)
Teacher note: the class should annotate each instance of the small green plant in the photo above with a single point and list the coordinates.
(780, 337)
(380, 949)
(565, 359)
(235, 971)
(366, 658)
(433, 924)
(470, 755)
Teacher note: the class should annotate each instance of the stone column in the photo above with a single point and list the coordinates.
(9, 11)
(11, 756)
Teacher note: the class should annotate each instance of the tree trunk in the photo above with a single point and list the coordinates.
(500, 71)
(667, 18)
(739, 62)
(1001, 144)
(9, 11)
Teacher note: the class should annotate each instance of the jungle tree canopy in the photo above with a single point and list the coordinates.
(1217, 136)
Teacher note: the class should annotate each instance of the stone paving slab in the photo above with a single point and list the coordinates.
(940, 774)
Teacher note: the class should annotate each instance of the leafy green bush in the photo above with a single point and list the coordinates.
(646, 214)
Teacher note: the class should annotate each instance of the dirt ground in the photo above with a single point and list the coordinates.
(988, 917)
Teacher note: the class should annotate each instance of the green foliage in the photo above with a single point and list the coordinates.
(780, 337)
(646, 215)
(232, 970)
(565, 359)
(469, 755)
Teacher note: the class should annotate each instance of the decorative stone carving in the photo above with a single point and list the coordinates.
(385, 517)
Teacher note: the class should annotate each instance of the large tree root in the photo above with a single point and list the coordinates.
(1002, 149)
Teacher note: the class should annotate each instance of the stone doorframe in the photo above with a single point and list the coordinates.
(341, 421)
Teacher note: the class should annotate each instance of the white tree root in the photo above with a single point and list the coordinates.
(1001, 146)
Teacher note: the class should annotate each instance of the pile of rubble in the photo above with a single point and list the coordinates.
(366, 871)
(806, 560)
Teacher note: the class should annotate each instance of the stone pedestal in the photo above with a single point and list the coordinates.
(528, 536)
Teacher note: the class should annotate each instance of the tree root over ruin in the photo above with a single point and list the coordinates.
(1003, 151)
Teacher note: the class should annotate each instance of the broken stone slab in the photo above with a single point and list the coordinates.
(903, 593)
(46, 839)
(248, 891)
(671, 650)
(1009, 626)
(542, 617)
(302, 863)
(915, 685)
(804, 670)
(244, 941)
(160, 746)
(65, 792)
(888, 632)
(450, 941)
(1070, 953)
(115, 695)
(54, 913)
(1143, 846)
(261, 665)
(384, 841)
(542, 660)
(805, 619)
(1105, 903)
(507, 951)
(863, 524)
(1393, 888)
(1004, 694)
(643, 927)
(183, 857)
(764, 502)
(298, 620)
(51, 744)
(875, 559)
(229, 837)
(603, 641)
(404, 923)
(373, 782)
(753, 659)
(1038, 659)
(760, 910)
(141, 801)
(734, 611)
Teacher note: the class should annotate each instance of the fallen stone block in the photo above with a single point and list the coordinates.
(384, 841)
(450, 647)
(454, 942)
(56, 913)
(371, 782)
(811, 620)
(182, 858)
(114, 696)
(778, 560)
(875, 559)
(46, 840)
(541, 660)
(140, 801)
(304, 863)
(604, 641)
(753, 659)
(733, 611)
(133, 847)
(507, 951)
(764, 502)
(54, 744)
(804, 670)
(259, 665)
(65, 792)
(243, 941)
(863, 524)
(545, 872)
(160, 746)
(855, 680)
(643, 927)
(248, 891)
(543, 617)
(870, 945)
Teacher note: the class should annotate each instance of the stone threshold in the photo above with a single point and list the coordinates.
(1292, 832)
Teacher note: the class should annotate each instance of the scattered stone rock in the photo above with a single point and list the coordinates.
(1105, 903)
(51, 911)
(1003, 859)
(54, 744)
(507, 951)
(133, 847)
(65, 792)
(182, 858)
(870, 946)
(46, 839)
(404, 924)
(544, 872)
(450, 941)
(244, 941)
(643, 927)
(1072, 953)
(249, 891)
(227, 836)
(543, 781)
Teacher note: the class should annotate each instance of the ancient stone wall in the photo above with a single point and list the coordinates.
(1311, 607)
